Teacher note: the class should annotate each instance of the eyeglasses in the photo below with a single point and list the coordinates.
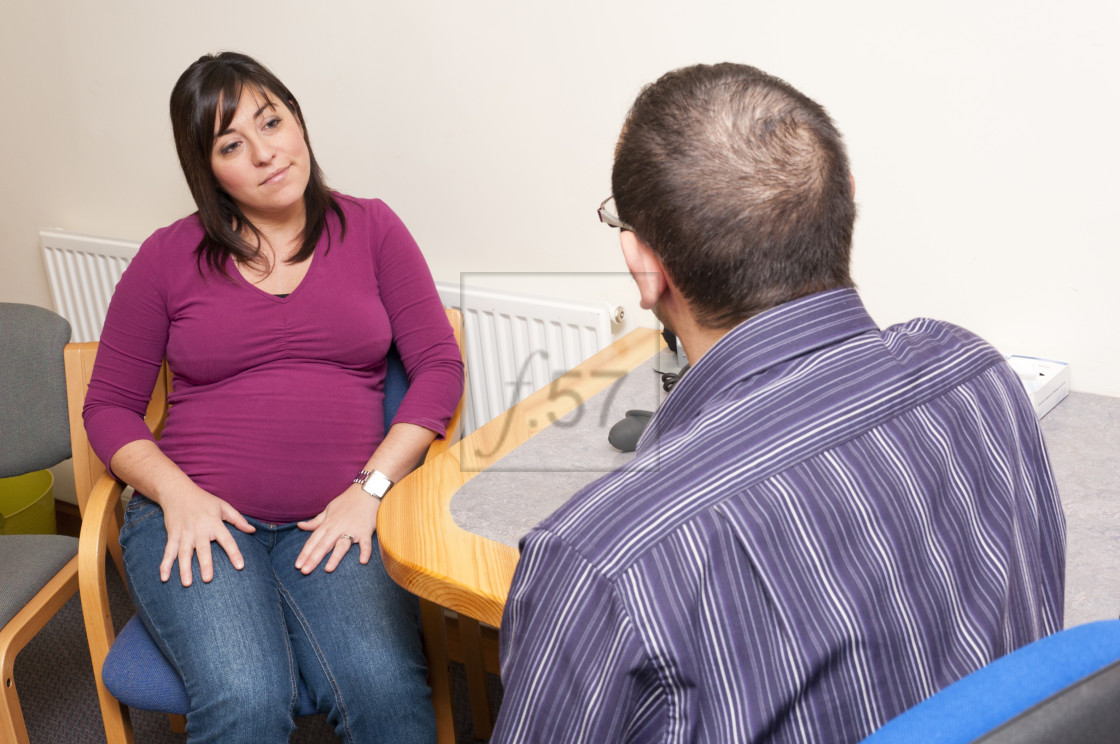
(610, 219)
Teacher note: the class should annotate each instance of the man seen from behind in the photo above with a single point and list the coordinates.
(825, 522)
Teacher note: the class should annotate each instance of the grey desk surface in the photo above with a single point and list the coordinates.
(1082, 434)
(1083, 437)
(508, 498)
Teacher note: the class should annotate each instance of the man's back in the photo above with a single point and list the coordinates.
(826, 524)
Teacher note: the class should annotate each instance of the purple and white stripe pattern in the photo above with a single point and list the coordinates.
(824, 524)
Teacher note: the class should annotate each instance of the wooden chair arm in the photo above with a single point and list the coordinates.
(100, 524)
(438, 447)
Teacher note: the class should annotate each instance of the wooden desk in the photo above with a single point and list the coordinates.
(425, 551)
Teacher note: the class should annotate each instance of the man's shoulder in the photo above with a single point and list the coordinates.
(933, 337)
(615, 520)
(757, 426)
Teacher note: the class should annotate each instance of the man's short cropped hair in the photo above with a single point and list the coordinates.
(740, 184)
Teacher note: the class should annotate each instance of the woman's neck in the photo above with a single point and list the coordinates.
(281, 238)
(280, 226)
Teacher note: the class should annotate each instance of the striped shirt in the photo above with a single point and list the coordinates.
(824, 524)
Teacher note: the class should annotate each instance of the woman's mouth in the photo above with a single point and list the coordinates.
(275, 176)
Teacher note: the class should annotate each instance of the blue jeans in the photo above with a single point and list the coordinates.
(242, 641)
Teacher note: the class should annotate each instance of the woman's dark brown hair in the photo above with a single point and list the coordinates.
(208, 91)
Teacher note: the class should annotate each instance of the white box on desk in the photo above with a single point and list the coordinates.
(1046, 381)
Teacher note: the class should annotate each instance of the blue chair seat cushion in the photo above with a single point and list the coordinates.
(138, 674)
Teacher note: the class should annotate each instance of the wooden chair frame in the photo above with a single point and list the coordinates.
(18, 632)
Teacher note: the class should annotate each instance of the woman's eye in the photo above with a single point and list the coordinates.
(229, 148)
(272, 123)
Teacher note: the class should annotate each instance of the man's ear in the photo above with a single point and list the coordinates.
(645, 267)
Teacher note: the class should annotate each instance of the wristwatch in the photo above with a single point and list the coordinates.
(374, 482)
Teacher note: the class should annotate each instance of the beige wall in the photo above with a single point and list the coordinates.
(980, 134)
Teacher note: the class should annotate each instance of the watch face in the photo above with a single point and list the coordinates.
(377, 484)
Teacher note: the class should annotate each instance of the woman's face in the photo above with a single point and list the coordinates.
(261, 160)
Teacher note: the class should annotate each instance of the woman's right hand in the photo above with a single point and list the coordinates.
(194, 518)
(193, 521)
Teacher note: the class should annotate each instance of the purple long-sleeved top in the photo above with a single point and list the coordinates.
(824, 524)
(277, 402)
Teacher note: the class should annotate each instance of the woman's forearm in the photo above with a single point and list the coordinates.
(142, 465)
(401, 451)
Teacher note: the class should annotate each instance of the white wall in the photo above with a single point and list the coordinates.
(980, 135)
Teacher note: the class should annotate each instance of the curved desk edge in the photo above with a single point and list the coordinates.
(422, 547)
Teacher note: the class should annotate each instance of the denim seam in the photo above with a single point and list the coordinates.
(293, 674)
(153, 511)
(267, 537)
(344, 716)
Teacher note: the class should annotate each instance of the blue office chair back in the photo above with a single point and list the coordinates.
(138, 674)
(1063, 688)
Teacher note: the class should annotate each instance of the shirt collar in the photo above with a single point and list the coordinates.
(778, 335)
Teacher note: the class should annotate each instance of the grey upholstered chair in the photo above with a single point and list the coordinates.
(40, 571)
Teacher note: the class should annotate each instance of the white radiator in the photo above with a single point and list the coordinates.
(515, 343)
(518, 343)
(82, 271)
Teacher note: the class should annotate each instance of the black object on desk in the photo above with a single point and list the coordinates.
(625, 434)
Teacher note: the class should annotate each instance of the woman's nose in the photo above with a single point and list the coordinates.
(262, 152)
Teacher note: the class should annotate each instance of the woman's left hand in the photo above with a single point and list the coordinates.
(349, 518)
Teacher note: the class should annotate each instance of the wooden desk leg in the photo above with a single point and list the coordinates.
(435, 648)
(470, 640)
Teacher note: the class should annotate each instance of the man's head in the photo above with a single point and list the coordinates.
(740, 186)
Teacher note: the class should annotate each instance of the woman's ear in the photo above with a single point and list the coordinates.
(645, 267)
